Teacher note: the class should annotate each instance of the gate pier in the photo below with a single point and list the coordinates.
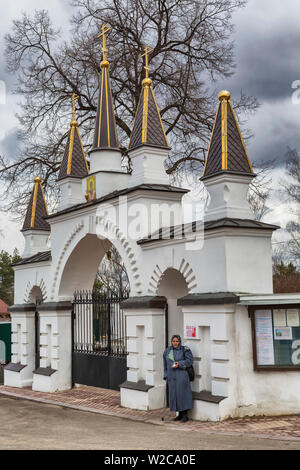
(144, 388)
(55, 368)
(19, 372)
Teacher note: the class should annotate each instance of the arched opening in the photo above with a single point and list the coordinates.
(80, 270)
(173, 286)
(93, 259)
(35, 295)
(94, 278)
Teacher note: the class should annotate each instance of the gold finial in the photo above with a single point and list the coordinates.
(37, 179)
(224, 95)
(105, 30)
(73, 99)
(147, 81)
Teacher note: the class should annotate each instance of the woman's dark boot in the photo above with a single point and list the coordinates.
(185, 417)
(179, 417)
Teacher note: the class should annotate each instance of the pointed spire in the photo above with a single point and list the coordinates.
(148, 128)
(105, 136)
(227, 151)
(37, 209)
(74, 162)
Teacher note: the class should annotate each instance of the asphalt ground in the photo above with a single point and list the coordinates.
(29, 425)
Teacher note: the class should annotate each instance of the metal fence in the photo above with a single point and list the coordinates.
(99, 323)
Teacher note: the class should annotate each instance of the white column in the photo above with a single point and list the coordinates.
(145, 324)
(212, 327)
(55, 371)
(19, 373)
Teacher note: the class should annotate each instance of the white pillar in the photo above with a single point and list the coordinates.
(145, 324)
(148, 166)
(55, 371)
(19, 372)
(209, 332)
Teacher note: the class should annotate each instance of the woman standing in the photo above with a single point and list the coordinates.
(176, 359)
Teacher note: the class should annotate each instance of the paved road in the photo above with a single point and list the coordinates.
(32, 425)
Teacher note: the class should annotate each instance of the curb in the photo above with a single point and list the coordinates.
(147, 421)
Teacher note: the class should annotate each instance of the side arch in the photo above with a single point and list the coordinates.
(35, 293)
(183, 267)
(173, 285)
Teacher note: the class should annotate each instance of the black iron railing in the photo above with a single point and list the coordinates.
(99, 323)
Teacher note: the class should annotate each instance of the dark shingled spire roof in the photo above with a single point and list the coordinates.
(227, 151)
(74, 163)
(148, 128)
(37, 210)
(105, 136)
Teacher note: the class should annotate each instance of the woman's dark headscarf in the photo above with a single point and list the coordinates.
(178, 337)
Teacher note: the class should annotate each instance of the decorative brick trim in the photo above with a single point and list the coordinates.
(29, 288)
(74, 232)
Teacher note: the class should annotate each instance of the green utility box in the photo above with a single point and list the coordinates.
(5, 341)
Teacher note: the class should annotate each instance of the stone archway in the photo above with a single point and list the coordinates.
(98, 327)
(35, 295)
(173, 285)
(81, 266)
(75, 267)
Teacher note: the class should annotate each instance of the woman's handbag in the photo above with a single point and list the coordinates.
(190, 370)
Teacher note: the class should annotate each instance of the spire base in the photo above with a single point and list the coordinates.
(228, 196)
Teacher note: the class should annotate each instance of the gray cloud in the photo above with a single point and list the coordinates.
(267, 42)
(267, 48)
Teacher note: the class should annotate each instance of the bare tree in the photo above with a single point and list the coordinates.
(260, 188)
(292, 190)
(191, 43)
(112, 274)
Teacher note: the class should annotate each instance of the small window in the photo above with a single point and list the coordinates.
(276, 337)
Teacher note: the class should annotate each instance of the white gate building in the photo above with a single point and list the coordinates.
(214, 275)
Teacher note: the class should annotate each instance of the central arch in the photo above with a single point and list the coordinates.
(98, 324)
(82, 253)
(81, 267)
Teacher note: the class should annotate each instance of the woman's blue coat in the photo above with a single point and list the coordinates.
(180, 392)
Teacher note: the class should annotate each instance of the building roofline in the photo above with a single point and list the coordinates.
(114, 194)
(191, 227)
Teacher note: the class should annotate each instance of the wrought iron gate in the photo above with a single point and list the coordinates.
(99, 340)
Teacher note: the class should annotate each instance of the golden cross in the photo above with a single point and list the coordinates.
(105, 30)
(74, 98)
(146, 54)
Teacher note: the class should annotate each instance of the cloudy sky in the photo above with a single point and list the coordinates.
(267, 39)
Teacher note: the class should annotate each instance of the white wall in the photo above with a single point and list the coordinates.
(263, 392)
(228, 346)
(29, 276)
